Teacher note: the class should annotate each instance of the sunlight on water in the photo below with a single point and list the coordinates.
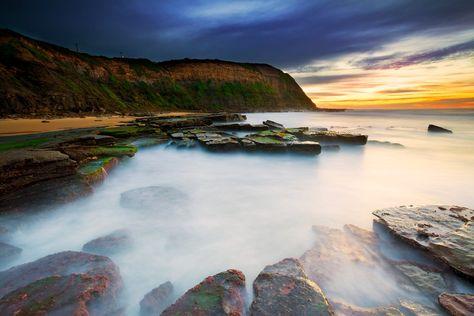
(245, 211)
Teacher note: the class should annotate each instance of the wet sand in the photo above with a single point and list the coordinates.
(23, 126)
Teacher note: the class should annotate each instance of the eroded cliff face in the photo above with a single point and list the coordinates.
(40, 78)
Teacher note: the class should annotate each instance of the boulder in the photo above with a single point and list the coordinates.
(273, 125)
(438, 129)
(64, 283)
(284, 289)
(446, 232)
(221, 294)
(109, 244)
(157, 300)
(457, 304)
(8, 252)
(152, 197)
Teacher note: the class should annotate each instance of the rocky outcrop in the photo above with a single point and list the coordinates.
(438, 129)
(109, 244)
(457, 304)
(38, 178)
(72, 283)
(39, 78)
(349, 310)
(20, 168)
(153, 197)
(221, 294)
(284, 289)
(157, 300)
(446, 232)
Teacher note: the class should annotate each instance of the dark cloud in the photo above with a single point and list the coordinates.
(396, 62)
(282, 33)
(327, 79)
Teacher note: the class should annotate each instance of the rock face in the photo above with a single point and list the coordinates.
(457, 304)
(446, 232)
(109, 244)
(152, 197)
(157, 300)
(73, 283)
(39, 178)
(55, 80)
(284, 289)
(438, 129)
(221, 294)
(20, 168)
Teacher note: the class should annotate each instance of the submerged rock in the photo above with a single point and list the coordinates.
(284, 289)
(457, 304)
(273, 125)
(152, 197)
(446, 232)
(157, 300)
(343, 309)
(221, 294)
(438, 129)
(109, 244)
(429, 281)
(8, 252)
(64, 283)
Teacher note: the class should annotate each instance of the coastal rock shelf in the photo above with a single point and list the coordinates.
(445, 231)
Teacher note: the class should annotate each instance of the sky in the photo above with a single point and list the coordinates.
(400, 54)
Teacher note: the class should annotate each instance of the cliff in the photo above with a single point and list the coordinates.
(40, 78)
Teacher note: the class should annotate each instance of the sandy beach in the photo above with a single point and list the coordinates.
(23, 126)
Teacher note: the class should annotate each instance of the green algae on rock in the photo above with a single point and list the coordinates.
(284, 289)
(220, 294)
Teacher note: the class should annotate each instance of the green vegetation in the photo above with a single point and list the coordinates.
(113, 151)
(81, 83)
(23, 144)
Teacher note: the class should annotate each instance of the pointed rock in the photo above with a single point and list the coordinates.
(284, 289)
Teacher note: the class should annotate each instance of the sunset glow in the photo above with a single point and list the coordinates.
(396, 80)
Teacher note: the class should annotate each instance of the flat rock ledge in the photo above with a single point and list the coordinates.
(284, 289)
(220, 294)
(66, 283)
(445, 231)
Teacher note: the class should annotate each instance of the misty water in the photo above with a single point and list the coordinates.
(248, 210)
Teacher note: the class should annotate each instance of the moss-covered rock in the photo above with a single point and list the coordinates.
(221, 294)
(284, 289)
(97, 170)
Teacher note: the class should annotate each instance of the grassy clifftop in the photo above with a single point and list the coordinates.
(39, 78)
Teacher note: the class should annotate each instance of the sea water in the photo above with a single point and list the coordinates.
(248, 210)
